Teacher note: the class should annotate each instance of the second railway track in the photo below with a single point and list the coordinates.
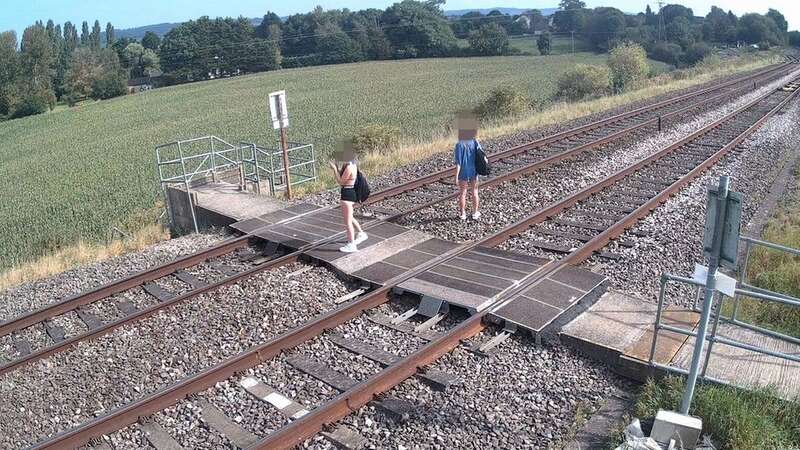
(61, 323)
(592, 217)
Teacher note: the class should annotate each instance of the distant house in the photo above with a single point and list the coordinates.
(140, 84)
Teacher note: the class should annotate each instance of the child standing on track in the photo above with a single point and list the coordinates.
(464, 159)
(346, 177)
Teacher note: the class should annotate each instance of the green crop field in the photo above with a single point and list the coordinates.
(75, 173)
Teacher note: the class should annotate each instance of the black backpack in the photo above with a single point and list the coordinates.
(482, 165)
(362, 187)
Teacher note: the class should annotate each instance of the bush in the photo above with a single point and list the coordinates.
(544, 43)
(376, 137)
(109, 85)
(35, 102)
(667, 52)
(489, 40)
(696, 53)
(584, 81)
(503, 102)
(628, 64)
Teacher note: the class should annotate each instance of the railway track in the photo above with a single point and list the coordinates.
(67, 322)
(613, 204)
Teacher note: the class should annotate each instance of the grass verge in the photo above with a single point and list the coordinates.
(735, 419)
(776, 271)
(80, 254)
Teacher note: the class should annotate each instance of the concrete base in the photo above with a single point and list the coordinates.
(216, 204)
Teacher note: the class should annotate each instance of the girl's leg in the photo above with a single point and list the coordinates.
(356, 223)
(475, 201)
(462, 196)
(347, 215)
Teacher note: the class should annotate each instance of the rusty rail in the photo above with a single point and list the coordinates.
(444, 173)
(383, 381)
(349, 401)
(115, 287)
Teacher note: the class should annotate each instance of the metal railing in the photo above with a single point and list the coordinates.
(192, 161)
(188, 161)
(261, 164)
(744, 290)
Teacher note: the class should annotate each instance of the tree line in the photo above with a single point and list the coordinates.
(51, 63)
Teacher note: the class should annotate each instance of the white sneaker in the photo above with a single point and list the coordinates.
(463, 216)
(351, 247)
(360, 237)
(476, 215)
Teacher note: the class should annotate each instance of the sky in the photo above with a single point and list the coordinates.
(17, 14)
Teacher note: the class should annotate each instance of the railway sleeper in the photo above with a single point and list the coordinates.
(22, 347)
(346, 438)
(88, 318)
(158, 292)
(158, 437)
(436, 379)
(56, 332)
(218, 421)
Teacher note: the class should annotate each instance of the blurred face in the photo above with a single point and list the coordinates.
(467, 125)
(344, 151)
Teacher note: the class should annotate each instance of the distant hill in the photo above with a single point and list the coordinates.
(163, 28)
(509, 11)
(160, 29)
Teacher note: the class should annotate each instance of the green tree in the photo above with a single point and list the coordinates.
(265, 29)
(566, 5)
(488, 40)
(628, 65)
(755, 28)
(109, 35)
(582, 81)
(36, 70)
(94, 37)
(679, 31)
(672, 12)
(109, 80)
(142, 61)
(794, 38)
(335, 46)
(85, 39)
(605, 26)
(418, 29)
(151, 41)
(9, 71)
(544, 43)
(80, 76)
(780, 21)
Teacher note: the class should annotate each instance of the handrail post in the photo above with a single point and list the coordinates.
(657, 325)
(742, 277)
(188, 192)
(711, 285)
(713, 337)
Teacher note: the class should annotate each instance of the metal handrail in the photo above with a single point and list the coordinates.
(745, 290)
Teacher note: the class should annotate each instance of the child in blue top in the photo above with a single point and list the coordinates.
(466, 175)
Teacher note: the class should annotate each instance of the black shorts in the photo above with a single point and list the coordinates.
(349, 194)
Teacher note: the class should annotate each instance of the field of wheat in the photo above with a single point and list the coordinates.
(78, 173)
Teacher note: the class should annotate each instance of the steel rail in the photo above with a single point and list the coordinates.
(115, 287)
(567, 154)
(120, 285)
(349, 400)
(444, 173)
(299, 430)
(73, 303)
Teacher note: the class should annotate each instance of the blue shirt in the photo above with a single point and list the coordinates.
(465, 157)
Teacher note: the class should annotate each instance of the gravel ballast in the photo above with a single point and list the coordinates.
(72, 387)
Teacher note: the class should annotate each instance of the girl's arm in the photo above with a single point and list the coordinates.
(457, 160)
(335, 172)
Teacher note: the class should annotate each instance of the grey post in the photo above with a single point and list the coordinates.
(708, 300)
